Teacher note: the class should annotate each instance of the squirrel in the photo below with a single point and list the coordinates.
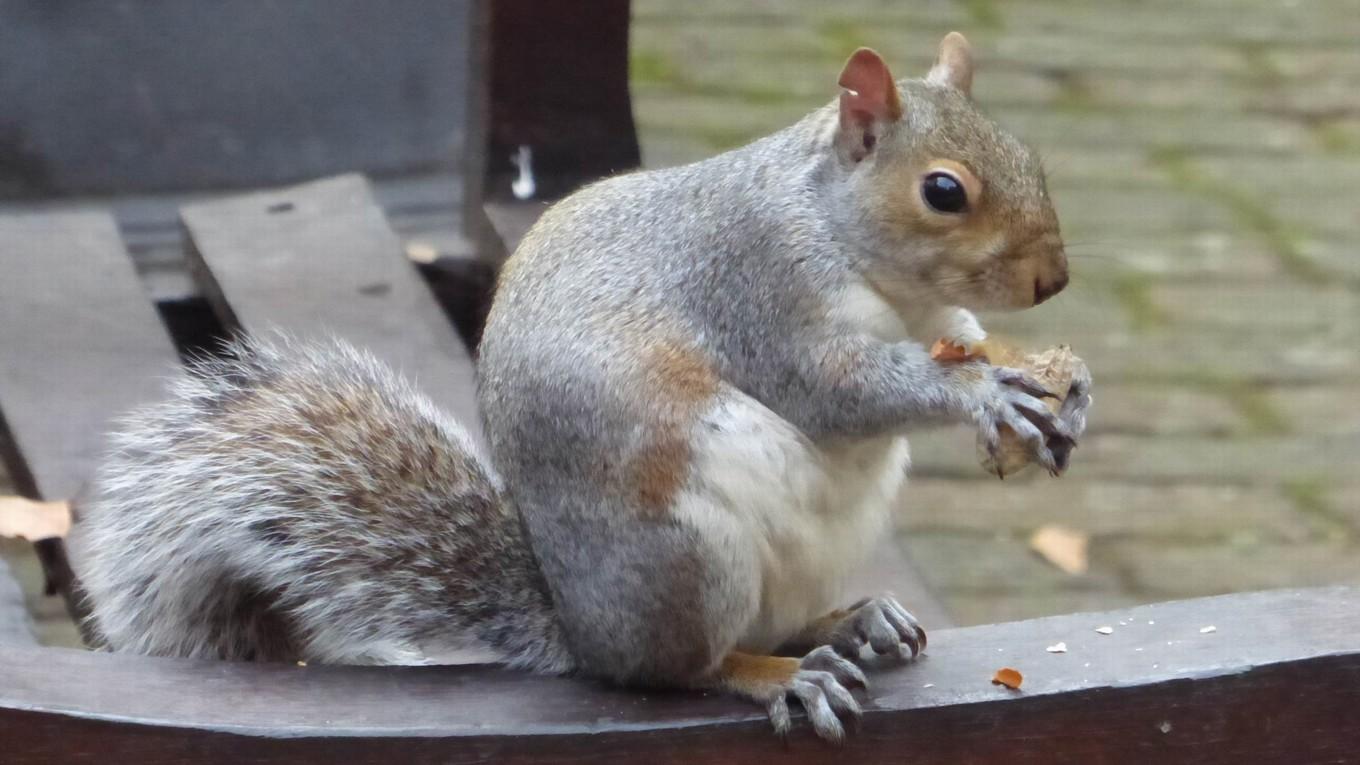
(696, 384)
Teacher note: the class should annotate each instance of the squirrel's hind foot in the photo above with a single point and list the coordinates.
(878, 622)
(820, 681)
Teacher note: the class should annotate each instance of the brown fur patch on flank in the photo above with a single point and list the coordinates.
(752, 675)
(680, 381)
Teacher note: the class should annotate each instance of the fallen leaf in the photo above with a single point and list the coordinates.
(1063, 547)
(1011, 678)
(32, 520)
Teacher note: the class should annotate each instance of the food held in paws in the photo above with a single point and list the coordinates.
(1054, 368)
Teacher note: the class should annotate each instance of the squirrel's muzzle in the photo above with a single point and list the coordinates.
(1047, 288)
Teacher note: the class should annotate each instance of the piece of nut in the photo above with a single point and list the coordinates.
(1055, 369)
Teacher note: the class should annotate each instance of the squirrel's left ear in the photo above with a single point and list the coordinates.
(954, 67)
(868, 104)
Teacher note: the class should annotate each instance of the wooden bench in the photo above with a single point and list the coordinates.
(1278, 682)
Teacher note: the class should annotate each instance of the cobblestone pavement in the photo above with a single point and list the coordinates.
(1205, 160)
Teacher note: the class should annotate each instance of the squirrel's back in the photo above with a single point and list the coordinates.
(302, 501)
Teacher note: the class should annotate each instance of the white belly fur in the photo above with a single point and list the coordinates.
(807, 514)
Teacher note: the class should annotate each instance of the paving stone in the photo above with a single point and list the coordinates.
(993, 564)
(1205, 254)
(1167, 571)
(1150, 209)
(1170, 351)
(1257, 460)
(1338, 255)
(1158, 410)
(1107, 509)
(972, 607)
(1310, 175)
(1190, 130)
(1333, 310)
(1333, 410)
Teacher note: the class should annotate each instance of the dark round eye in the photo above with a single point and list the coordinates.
(943, 192)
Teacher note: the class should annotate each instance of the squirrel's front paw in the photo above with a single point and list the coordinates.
(822, 685)
(1012, 398)
(882, 624)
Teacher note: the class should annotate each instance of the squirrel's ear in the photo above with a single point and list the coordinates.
(954, 67)
(870, 101)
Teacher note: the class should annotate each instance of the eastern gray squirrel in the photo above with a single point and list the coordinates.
(695, 383)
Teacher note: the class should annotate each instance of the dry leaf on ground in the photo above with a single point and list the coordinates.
(1011, 678)
(1063, 547)
(28, 519)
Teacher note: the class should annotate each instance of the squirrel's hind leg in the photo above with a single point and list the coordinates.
(820, 681)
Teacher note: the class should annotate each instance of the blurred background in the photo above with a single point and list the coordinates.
(1205, 162)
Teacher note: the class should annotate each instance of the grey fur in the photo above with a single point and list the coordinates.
(301, 501)
(737, 256)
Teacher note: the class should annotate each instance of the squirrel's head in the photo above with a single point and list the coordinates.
(941, 197)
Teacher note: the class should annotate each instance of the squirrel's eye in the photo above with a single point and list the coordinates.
(944, 192)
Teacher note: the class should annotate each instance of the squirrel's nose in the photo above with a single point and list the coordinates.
(1045, 290)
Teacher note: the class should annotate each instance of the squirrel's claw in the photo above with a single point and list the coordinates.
(882, 624)
(822, 686)
(1018, 379)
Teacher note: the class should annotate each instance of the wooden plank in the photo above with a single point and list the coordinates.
(422, 208)
(1278, 681)
(16, 628)
(320, 259)
(80, 344)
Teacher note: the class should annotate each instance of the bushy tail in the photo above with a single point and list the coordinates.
(302, 501)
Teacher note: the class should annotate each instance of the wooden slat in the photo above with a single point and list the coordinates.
(320, 259)
(80, 344)
(1277, 681)
(421, 207)
(16, 628)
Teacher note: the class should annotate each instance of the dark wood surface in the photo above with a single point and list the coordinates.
(422, 208)
(80, 344)
(1277, 681)
(559, 85)
(321, 259)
